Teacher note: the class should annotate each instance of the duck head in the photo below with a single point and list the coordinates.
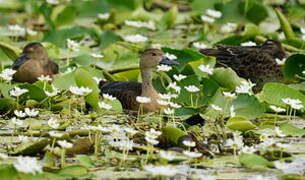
(152, 57)
(274, 48)
(35, 51)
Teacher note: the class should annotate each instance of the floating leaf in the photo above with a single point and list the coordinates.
(247, 106)
(227, 78)
(273, 93)
(254, 161)
(240, 124)
(292, 130)
(294, 66)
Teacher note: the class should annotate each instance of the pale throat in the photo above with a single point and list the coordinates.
(147, 88)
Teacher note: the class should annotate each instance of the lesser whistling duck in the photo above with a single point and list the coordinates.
(256, 63)
(32, 63)
(127, 91)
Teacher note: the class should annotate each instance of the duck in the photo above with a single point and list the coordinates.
(256, 63)
(127, 91)
(33, 63)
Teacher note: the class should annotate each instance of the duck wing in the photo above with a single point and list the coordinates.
(125, 91)
(21, 60)
(252, 63)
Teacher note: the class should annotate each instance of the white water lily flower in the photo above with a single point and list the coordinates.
(189, 143)
(122, 144)
(151, 140)
(16, 121)
(174, 105)
(80, 91)
(199, 45)
(232, 111)
(170, 56)
(130, 131)
(245, 87)
(153, 133)
(161, 170)
(206, 69)
(167, 155)
(302, 30)
(248, 149)
(7, 74)
(19, 114)
(207, 19)
(229, 95)
(169, 111)
(148, 24)
(162, 102)
(173, 85)
(51, 94)
(280, 61)
(104, 105)
(248, 43)
(103, 16)
(167, 96)
(277, 109)
(215, 107)
(136, 38)
(192, 154)
(73, 45)
(213, 13)
(27, 165)
(44, 78)
(143, 100)
(95, 55)
(228, 28)
(53, 123)
(164, 68)
(108, 96)
(18, 91)
(53, 2)
(192, 88)
(31, 112)
(179, 77)
(65, 144)
(55, 134)
(293, 103)
(303, 72)
(237, 141)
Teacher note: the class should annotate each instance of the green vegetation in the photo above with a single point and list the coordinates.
(214, 125)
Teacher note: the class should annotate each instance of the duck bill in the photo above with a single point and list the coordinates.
(169, 62)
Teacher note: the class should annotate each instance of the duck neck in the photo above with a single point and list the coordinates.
(146, 78)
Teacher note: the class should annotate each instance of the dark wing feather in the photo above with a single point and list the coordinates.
(21, 60)
(125, 91)
(252, 63)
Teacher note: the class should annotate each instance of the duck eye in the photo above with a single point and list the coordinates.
(154, 54)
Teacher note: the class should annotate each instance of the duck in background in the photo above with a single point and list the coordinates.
(256, 63)
(127, 91)
(33, 63)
